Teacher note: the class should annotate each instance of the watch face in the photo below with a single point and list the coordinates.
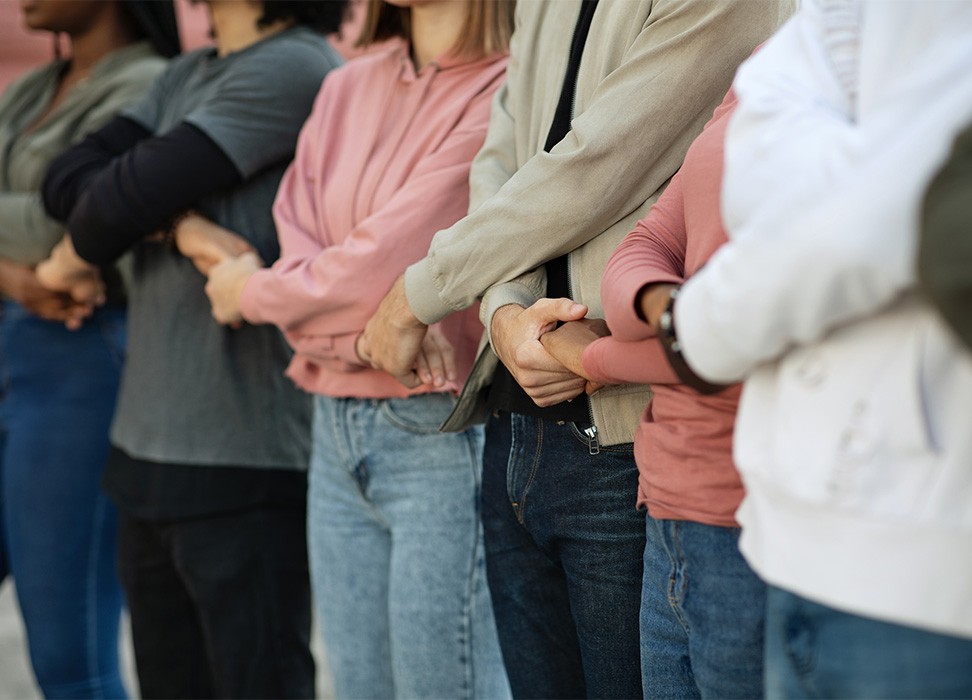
(665, 321)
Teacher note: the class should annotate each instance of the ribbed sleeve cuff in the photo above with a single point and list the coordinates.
(423, 295)
(500, 295)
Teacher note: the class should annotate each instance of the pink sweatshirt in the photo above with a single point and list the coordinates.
(382, 164)
(684, 442)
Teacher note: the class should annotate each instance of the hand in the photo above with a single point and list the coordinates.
(516, 332)
(567, 344)
(225, 287)
(20, 283)
(393, 338)
(65, 271)
(436, 361)
(207, 244)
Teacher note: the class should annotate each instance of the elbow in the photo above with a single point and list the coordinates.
(92, 232)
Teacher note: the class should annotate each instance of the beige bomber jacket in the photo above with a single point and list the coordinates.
(651, 74)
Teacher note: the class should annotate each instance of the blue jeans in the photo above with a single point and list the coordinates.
(813, 651)
(702, 613)
(58, 529)
(563, 552)
(396, 551)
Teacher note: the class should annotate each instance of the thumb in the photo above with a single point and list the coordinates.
(552, 310)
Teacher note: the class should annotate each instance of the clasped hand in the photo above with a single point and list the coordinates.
(545, 360)
(74, 287)
(225, 258)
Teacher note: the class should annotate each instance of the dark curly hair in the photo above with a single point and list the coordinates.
(324, 16)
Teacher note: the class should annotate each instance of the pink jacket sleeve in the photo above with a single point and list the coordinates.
(314, 291)
(653, 252)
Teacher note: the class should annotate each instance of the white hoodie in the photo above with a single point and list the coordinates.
(854, 434)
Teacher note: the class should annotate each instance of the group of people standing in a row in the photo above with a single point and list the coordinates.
(653, 243)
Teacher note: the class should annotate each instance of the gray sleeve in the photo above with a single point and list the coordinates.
(146, 110)
(262, 103)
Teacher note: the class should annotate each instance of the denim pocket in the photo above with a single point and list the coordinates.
(422, 414)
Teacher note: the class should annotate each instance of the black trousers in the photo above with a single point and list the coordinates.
(220, 605)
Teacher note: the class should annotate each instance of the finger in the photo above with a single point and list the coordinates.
(547, 312)
(446, 354)
(363, 348)
(88, 290)
(409, 379)
(532, 356)
(434, 361)
(423, 368)
(565, 392)
(204, 263)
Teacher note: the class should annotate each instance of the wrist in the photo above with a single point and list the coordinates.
(498, 324)
(652, 300)
(668, 335)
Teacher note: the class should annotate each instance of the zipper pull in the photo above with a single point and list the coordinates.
(593, 441)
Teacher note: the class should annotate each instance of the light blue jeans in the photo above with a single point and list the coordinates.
(396, 551)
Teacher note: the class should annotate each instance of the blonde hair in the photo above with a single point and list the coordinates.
(487, 29)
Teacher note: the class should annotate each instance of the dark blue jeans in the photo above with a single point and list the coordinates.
(58, 530)
(702, 614)
(564, 543)
(814, 651)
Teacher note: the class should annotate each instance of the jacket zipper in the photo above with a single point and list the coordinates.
(593, 441)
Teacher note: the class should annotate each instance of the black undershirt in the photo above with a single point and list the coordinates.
(504, 392)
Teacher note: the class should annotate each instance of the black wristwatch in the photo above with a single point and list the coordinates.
(673, 350)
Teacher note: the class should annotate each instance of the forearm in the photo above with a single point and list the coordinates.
(69, 173)
(613, 361)
(140, 192)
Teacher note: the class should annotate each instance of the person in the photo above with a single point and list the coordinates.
(210, 443)
(552, 193)
(945, 248)
(702, 607)
(394, 528)
(57, 387)
(851, 437)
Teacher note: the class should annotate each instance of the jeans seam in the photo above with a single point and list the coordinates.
(521, 508)
(678, 581)
(465, 630)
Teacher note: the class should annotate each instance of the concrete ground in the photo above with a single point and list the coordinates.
(17, 681)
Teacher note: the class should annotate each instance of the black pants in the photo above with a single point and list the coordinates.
(220, 605)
